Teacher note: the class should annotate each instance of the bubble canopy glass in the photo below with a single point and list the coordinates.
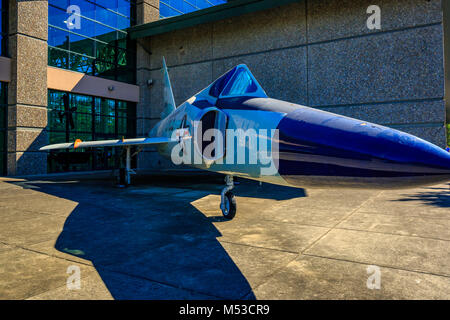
(237, 82)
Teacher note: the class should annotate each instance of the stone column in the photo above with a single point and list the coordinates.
(27, 91)
(146, 11)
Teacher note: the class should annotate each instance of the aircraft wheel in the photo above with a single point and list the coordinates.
(229, 207)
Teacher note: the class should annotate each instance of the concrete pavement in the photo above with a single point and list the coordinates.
(164, 238)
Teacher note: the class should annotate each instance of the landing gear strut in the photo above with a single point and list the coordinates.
(227, 200)
(125, 173)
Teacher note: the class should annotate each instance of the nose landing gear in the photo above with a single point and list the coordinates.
(227, 200)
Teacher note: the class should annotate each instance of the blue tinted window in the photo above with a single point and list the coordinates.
(99, 44)
(59, 3)
(241, 84)
(87, 27)
(3, 27)
(123, 7)
(82, 45)
(57, 17)
(87, 8)
(122, 22)
(219, 84)
(109, 4)
(106, 17)
(169, 8)
(58, 38)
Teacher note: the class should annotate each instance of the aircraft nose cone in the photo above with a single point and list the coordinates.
(318, 148)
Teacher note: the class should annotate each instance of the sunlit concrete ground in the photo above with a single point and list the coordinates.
(164, 238)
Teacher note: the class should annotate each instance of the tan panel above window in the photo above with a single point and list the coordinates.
(76, 82)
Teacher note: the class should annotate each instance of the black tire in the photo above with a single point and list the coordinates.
(230, 206)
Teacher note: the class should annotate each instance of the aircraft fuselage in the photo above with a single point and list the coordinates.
(316, 148)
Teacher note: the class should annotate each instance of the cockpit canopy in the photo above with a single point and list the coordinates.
(237, 82)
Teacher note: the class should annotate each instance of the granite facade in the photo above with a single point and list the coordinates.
(27, 91)
(146, 11)
(332, 19)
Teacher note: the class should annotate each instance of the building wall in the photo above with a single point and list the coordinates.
(318, 53)
(3, 126)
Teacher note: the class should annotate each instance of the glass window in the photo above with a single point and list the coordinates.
(58, 58)
(63, 4)
(123, 43)
(58, 38)
(3, 99)
(2, 51)
(55, 111)
(2, 144)
(120, 35)
(3, 118)
(109, 4)
(122, 22)
(124, 8)
(82, 123)
(166, 11)
(106, 17)
(3, 28)
(74, 116)
(105, 70)
(100, 46)
(81, 104)
(82, 45)
(87, 28)
(87, 7)
(105, 52)
(57, 16)
(169, 8)
(81, 63)
(122, 126)
(105, 125)
(105, 107)
(122, 57)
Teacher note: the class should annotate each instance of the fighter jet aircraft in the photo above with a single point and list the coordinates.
(233, 127)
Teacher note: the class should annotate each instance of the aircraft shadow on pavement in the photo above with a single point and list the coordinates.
(213, 183)
(132, 237)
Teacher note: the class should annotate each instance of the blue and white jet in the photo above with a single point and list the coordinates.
(273, 141)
